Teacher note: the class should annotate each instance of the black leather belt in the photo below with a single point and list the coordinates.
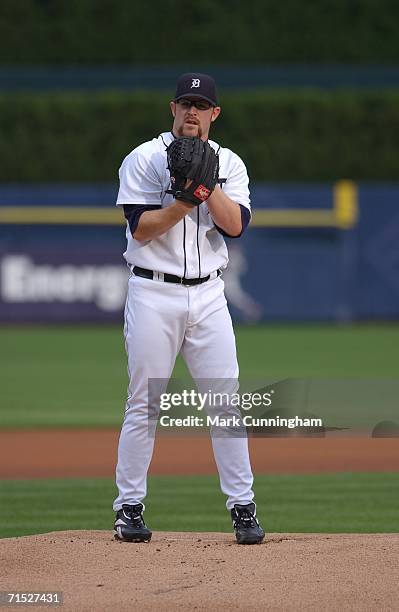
(171, 278)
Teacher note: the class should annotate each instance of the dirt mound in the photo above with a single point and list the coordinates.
(204, 571)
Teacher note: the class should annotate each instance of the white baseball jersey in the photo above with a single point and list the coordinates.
(194, 247)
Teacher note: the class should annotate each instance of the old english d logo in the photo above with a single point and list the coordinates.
(195, 83)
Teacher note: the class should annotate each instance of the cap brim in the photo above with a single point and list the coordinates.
(192, 95)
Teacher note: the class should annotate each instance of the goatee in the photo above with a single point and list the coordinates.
(180, 131)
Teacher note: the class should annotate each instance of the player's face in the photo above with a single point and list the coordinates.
(193, 117)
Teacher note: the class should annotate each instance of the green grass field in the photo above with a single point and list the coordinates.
(335, 503)
(76, 376)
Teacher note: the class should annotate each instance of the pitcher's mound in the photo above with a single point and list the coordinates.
(206, 571)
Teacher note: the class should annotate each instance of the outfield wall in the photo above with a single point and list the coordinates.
(313, 252)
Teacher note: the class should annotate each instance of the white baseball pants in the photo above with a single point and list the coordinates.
(161, 320)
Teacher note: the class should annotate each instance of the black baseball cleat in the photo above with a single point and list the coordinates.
(246, 525)
(129, 524)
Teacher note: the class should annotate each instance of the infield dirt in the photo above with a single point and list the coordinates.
(206, 571)
(199, 571)
(88, 453)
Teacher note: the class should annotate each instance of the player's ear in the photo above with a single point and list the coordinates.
(215, 113)
(173, 108)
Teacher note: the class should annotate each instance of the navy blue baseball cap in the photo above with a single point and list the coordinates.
(196, 85)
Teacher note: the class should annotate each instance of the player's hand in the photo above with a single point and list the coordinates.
(194, 169)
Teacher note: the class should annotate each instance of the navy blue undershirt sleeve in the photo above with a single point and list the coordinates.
(245, 218)
(133, 213)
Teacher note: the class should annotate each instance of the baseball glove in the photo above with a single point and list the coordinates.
(192, 159)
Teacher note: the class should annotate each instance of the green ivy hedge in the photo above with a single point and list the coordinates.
(296, 135)
(212, 31)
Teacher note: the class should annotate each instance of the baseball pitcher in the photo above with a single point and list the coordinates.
(181, 194)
